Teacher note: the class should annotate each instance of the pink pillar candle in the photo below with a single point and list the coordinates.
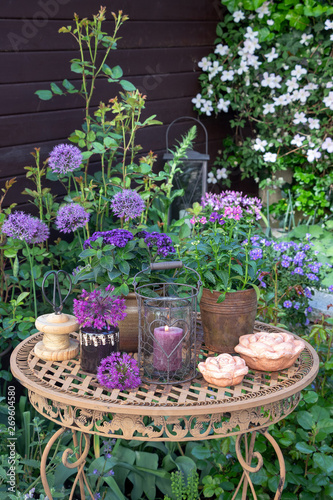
(167, 338)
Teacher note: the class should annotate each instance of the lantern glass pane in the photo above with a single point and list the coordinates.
(191, 180)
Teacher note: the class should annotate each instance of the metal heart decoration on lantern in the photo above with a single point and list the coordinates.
(168, 343)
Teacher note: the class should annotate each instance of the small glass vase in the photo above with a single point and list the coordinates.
(96, 345)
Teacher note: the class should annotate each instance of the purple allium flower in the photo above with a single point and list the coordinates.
(287, 304)
(99, 309)
(330, 288)
(162, 241)
(127, 203)
(255, 254)
(117, 237)
(65, 158)
(71, 217)
(119, 371)
(25, 227)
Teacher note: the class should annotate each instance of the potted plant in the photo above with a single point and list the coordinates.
(220, 249)
(98, 314)
(117, 256)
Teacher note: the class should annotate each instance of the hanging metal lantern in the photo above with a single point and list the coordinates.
(193, 177)
(167, 351)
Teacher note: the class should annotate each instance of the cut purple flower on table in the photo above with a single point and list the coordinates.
(71, 217)
(119, 371)
(65, 158)
(128, 204)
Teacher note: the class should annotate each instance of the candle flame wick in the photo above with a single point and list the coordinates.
(166, 328)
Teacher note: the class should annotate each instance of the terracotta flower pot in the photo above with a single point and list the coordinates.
(129, 327)
(224, 323)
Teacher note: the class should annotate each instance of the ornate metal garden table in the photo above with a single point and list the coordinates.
(153, 412)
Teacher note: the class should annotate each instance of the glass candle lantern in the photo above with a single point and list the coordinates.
(167, 329)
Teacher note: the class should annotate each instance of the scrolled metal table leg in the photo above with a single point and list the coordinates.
(247, 468)
(81, 456)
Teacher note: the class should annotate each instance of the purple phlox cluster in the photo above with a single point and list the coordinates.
(233, 204)
(299, 257)
(161, 240)
(25, 227)
(99, 310)
(65, 158)
(127, 203)
(287, 304)
(117, 237)
(71, 217)
(255, 254)
(119, 371)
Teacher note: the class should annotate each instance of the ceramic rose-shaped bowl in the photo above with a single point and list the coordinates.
(269, 352)
(223, 370)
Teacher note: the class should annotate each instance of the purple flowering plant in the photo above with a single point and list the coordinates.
(118, 255)
(99, 309)
(288, 273)
(119, 371)
(220, 245)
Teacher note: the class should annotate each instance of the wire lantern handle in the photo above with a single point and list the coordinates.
(187, 118)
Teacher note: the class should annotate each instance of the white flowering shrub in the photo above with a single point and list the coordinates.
(272, 71)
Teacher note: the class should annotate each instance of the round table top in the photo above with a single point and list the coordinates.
(63, 382)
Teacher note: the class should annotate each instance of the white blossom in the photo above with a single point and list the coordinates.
(222, 105)
(328, 100)
(299, 118)
(227, 75)
(270, 22)
(270, 157)
(313, 154)
(221, 173)
(268, 108)
(271, 80)
(292, 84)
(210, 89)
(327, 145)
(250, 34)
(263, 10)
(207, 107)
(238, 15)
(331, 38)
(300, 95)
(259, 145)
(198, 101)
(305, 39)
(251, 45)
(298, 140)
(253, 61)
(311, 86)
(214, 69)
(298, 71)
(243, 68)
(328, 25)
(313, 123)
(329, 85)
(271, 55)
(222, 50)
(285, 67)
(205, 64)
(211, 178)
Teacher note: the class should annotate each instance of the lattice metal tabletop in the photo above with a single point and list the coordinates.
(192, 411)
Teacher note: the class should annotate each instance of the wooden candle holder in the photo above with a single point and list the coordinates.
(57, 344)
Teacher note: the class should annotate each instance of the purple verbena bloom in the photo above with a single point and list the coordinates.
(99, 310)
(119, 371)
(65, 158)
(127, 203)
(287, 304)
(255, 254)
(71, 217)
(25, 227)
(117, 237)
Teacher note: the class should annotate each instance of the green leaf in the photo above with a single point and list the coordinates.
(128, 86)
(305, 448)
(117, 72)
(324, 462)
(210, 277)
(221, 298)
(44, 95)
(184, 231)
(55, 89)
(22, 296)
(124, 267)
(107, 262)
(89, 252)
(305, 419)
(68, 86)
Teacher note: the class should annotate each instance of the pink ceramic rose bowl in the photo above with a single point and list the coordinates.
(223, 370)
(269, 352)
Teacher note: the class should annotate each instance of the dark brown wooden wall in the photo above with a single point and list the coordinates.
(160, 47)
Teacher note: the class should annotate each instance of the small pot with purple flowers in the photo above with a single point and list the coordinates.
(98, 313)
